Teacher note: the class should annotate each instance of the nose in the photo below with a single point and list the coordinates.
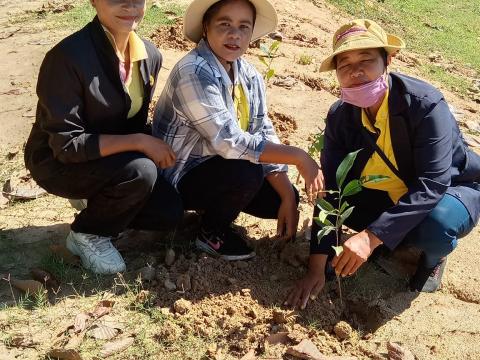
(357, 71)
(234, 32)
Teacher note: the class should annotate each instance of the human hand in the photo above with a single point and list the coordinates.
(313, 176)
(287, 219)
(356, 251)
(310, 286)
(158, 151)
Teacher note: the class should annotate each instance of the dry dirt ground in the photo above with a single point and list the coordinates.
(232, 307)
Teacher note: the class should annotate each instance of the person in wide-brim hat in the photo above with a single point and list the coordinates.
(265, 19)
(402, 129)
(213, 112)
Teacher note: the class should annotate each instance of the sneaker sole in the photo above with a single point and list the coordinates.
(204, 247)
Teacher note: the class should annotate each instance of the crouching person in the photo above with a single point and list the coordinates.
(90, 139)
(213, 113)
(406, 132)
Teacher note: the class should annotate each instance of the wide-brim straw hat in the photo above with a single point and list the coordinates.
(361, 34)
(266, 20)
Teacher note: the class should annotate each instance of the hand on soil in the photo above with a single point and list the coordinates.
(306, 289)
(356, 251)
(287, 220)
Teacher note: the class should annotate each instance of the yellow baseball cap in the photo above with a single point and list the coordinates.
(361, 34)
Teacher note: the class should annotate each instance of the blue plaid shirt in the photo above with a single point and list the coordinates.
(195, 114)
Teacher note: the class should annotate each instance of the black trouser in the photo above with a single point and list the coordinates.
(223, 188)
(124, 190)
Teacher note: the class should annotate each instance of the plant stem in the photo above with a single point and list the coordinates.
(337, 233)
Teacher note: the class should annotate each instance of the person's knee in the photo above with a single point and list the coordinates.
(141, 173)
(246, 176)
(433, 235)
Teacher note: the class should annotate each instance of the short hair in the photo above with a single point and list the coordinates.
(215, 8)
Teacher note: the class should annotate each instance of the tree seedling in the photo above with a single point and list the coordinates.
(267, 57)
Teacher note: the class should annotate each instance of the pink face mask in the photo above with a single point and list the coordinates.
(367, 94)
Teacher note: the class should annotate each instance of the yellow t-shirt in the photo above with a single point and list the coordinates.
(242, 107)
(375, 165)
(133, 84)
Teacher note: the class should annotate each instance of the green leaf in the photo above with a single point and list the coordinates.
(324, 232)
(317, 145)
(338, 250)
(345, 167)
(262, 60)
(264, 49)
(322, 219)
(270, 73)
(345, 215)
(343, 207)
(352, 188)
(373, 178)
(274, 47)
(324, 205)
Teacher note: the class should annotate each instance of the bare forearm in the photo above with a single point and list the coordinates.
(115, 144)
(282, 154)
(282, 185)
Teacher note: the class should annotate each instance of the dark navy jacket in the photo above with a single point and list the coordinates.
(80, 96)
(430, 151)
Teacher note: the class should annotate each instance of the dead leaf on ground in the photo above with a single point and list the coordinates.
(80, 322)
(64, 354)
(44, 277)
(305, 350)
(250, 355)
(103, 308)
(27, 286)
(63, 253)
(117, 346)
(103, 332)
(398, 352)
(22, 341)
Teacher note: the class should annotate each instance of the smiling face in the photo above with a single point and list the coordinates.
(229, 30)
(120, 16)
(357, 67)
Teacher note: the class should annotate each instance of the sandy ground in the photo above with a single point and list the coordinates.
(444, 325)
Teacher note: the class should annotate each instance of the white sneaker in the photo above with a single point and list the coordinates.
(96, 252)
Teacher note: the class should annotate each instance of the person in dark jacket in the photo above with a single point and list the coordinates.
(404, 130)
(90, 139)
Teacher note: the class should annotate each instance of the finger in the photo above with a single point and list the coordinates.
(357, 266)
(305, 297)
(347, 269)
(342, 261)
(296, 298)
(316, 289)
(291, 296)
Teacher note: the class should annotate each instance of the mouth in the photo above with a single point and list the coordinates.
(127, 18)
(232, 47)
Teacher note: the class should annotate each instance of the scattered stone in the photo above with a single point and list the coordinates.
(170, 286)
(182, 306)
(169, 257)
(245, 292)
(241, 264)
(184, 283)
(343, 330)
(398, 352)
(277, 35)
(147, 273)
(305, 350)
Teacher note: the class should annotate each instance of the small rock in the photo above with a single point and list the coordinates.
(305, 350)
(245, 292)
(182, 306)
(343, 330)
(277, 35)
(147, 273)
(397, 352)
(184, 283)
(241, 264)
(169, 257)
(170, 286)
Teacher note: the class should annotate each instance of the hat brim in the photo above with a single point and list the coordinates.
(265, 23)
(394, 44)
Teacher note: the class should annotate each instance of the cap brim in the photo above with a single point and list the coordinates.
(394, 44)
(265, 23)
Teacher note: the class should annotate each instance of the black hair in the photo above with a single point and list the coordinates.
(212, 10)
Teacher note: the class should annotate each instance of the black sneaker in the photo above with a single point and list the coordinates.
(428, 279)
(227, 245)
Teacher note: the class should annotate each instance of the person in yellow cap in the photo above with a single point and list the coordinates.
(404, 130)
(213, 113)
(91, 140)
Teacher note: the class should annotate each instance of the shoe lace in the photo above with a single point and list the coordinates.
(100, 243)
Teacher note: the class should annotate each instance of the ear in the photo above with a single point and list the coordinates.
(92, 2)
(389, 58)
